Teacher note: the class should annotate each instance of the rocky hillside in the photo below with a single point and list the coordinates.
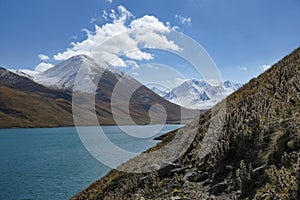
(257, 155)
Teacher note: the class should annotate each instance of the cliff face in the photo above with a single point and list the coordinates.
(257, 155)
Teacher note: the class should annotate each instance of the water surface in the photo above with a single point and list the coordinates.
(52, 163)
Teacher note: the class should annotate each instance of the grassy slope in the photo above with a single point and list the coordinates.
(256, 157)
(21, 109)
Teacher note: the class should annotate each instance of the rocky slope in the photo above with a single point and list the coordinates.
(257, 155)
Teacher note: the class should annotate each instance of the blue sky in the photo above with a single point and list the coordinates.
(240, 36)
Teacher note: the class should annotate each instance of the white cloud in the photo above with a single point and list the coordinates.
(104, 15)
(43, 67)
(122, 39)
(184, 20)
(43, 57)
(132, 64)
(139, 55)
(265, 67)
(149, 22)
(243, 68)
(109, 1)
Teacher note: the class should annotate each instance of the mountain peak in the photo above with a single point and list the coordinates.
(63, 75)
(200, 94)
(81, 57)
(75, 63)
(160, 92)
(195, 81)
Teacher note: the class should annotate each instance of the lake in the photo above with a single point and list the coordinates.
(52, 163)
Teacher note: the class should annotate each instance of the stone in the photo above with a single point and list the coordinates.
(201, 177)
(196, 176)
(166, 170)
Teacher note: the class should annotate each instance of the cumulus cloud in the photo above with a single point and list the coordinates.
(43, 67)
(109, 1)
(43, 57)
(132, 64)
(184, 20)
(122, 39)
(265, 67)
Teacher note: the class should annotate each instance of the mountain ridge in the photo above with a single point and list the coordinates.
(199, 94)
(58, 94)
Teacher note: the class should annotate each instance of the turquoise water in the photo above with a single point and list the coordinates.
(52, 163)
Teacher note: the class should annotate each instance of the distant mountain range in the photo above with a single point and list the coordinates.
(45, 99)
(192, 94)
(198, 94)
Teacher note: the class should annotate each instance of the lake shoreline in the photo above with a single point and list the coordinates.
(85, 126)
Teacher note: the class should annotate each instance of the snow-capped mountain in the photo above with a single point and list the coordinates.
(111, 93)
(63, 75)
(84, 70)
(201, 95)
(80, 68)
(25, 73)
(160, 92)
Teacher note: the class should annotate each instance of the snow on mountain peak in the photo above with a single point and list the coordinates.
(200, 94)
(63, 75)
(160, 92)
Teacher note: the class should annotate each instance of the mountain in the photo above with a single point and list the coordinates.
(24, 103)
(160, 92)
(256, 156)
(63, 75)
(54, 88)
(201, 95)
(191, 94)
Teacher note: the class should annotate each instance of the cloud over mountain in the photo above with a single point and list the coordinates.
(100, 45)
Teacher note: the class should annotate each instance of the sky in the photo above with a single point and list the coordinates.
(243, 38)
